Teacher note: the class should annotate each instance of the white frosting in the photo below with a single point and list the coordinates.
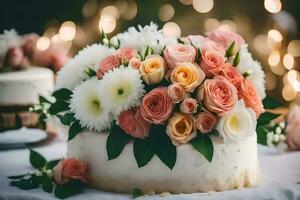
(233, 166)
(23, 87)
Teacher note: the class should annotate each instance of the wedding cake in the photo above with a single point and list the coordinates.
(160, 113)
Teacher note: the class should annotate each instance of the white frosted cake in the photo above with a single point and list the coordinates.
(18, 91)
(233, 166)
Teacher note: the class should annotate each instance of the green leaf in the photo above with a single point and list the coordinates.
(25, 184)
(237, 59)
(266, 118)
(74, 130)
(143, 151)
(199, 55)
(68, 189)
(67, 118)
(203, 144)
(271, 103)
(63, 94)
(229, 51)
(136, 193)
(58, 106)
(162, 145)
(47, 185)
(90, 72)
(17, 176)
(148, 51)
(43, 100)
(36, 159)
(116, 141)
(51, 164)
(261, 135)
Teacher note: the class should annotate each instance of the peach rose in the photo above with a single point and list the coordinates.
(179, 53)
(153, 69)
(189, 106)
(107, 64)
(181, 128)
(224, 38)
(157, 106)
(205, 122)
(232, 75)
(212, 62)
(70, 168)
(135, 63)
(218, 95)
(187, 75)
(125, 54)
(292, 129)
(176, 92)
(249, 94)
(132, 123)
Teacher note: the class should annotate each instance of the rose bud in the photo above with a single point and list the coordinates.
(189, 106)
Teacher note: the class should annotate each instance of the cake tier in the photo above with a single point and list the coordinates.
(233, 166)
(23, 87)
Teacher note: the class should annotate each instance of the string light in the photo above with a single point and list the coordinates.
(203, 6)
(67, 31)
(273, 6)
(43, 43)
(288, 61)
(171, 29)
(166, 12)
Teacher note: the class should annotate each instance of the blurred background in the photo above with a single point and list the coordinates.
(271, 27)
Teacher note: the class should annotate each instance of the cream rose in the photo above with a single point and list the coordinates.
(152, 69)
(178, 53)
(238, 124)
(181, 128)
(187, 75)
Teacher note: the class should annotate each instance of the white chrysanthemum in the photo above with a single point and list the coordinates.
(148, 35)
(257, 76)
(73, 72)
(8, 39)
(89, 107)
(123, 89)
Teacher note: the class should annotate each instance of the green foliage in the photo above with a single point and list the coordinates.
(74, 130)
(68, 189)
(261, 135)
(270, 103)
(136, 193)
(67, 118)
(266, 118)
(143, 151)
(237, 59)
(203, 144)
(36, 159)
(229, 50)
(62, 94)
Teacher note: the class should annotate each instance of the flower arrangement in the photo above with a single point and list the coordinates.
(160, 92)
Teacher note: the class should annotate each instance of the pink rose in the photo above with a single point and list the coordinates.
(107, 64)
(179, 53)
(135, 63)
(232, 74)
(224, 38)
(249, 94)
(292, 129)
(189, 106)
(176, 92)
(125, 54)
(205, 121)
(218, 95)
(133, 124)
(15, 57)
(212, 63)
(157, 105)
(205, 44)
(70, 168)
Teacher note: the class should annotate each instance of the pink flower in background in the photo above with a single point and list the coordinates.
(29, 43)
(135, 63)
(176, 92)
(15, 57)
(125, 54)
(179, 53)
(232, 75)
(107, 64)
(157, 106)
(133, 124)
(212, 63)
(249, 94)
(224, 38)
(218, 95)
(205, 44)
(292, 130)
(189, 106)
(205, 121)
(70, 168)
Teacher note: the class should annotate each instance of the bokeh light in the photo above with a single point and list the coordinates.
(288, 61)
(203, 6)
(166, 12)
(261, 45)
(275, 35)
(186, 2)
(274, 58)
(110, 10)
(43, 43)
(211, 24)
(90, 8)
(67, 31)
(107, 23)
(294, 48)
(273, 6)
(171, 29)
(288, 92)
(272, 81)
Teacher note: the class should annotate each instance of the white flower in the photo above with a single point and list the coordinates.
(89, 107)
(123, 89)
(238, 124)
(248, 64)
(143, 37)
(73, 72)
(9, 39)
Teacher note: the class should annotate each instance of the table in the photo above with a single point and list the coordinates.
(282, 178)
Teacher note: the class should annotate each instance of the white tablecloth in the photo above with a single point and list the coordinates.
(282, 178)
